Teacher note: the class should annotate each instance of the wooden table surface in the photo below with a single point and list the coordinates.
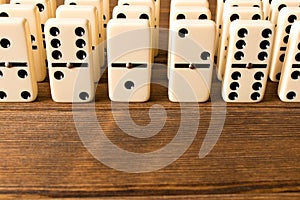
(256, 157)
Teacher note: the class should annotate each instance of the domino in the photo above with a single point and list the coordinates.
(136, 12)
(70, 60)
(43, 7)
(156, 8)
(201, 3)
(105, 12)
(187, 13)
(191, 71)
(232, 14)
(277, 5)
(90, 13)
(220, 10)
(151, 4)
(219, 14)
(31, 13)
(129, 60)
(52, 8)
(44, 10)
(286, 18)
(241, 3)
(247, 66)
(289, 85)
(266, 9)
(99, 5)
(2, 1)
(17, 78)
(157, 12)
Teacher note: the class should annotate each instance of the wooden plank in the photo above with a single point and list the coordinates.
(290, 196)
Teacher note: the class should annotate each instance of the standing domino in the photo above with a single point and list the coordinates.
(44, 9)
(266, 9)
(186, 13)
(129, 60)
(242, 3)
(189, 12)
(105, 12)
(222, 6)
(136, 12)
(99, 5)
(286, 18)
(277, 5)
(289, 85)
(219, 15)
(53, 7)
(247, 66)
(17, 78)
(202, 3)
(191, 71)
(234, 13)
(30, 12)
(89, 13)
(69, 52)
(151, 4)
(156, 14)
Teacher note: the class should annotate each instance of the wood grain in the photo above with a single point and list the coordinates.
(256, 157)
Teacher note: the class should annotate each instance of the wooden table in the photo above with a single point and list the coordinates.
(257, 155)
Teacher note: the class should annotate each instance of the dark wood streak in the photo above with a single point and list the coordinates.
(256, 157)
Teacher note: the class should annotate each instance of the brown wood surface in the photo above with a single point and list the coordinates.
(256, 157)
